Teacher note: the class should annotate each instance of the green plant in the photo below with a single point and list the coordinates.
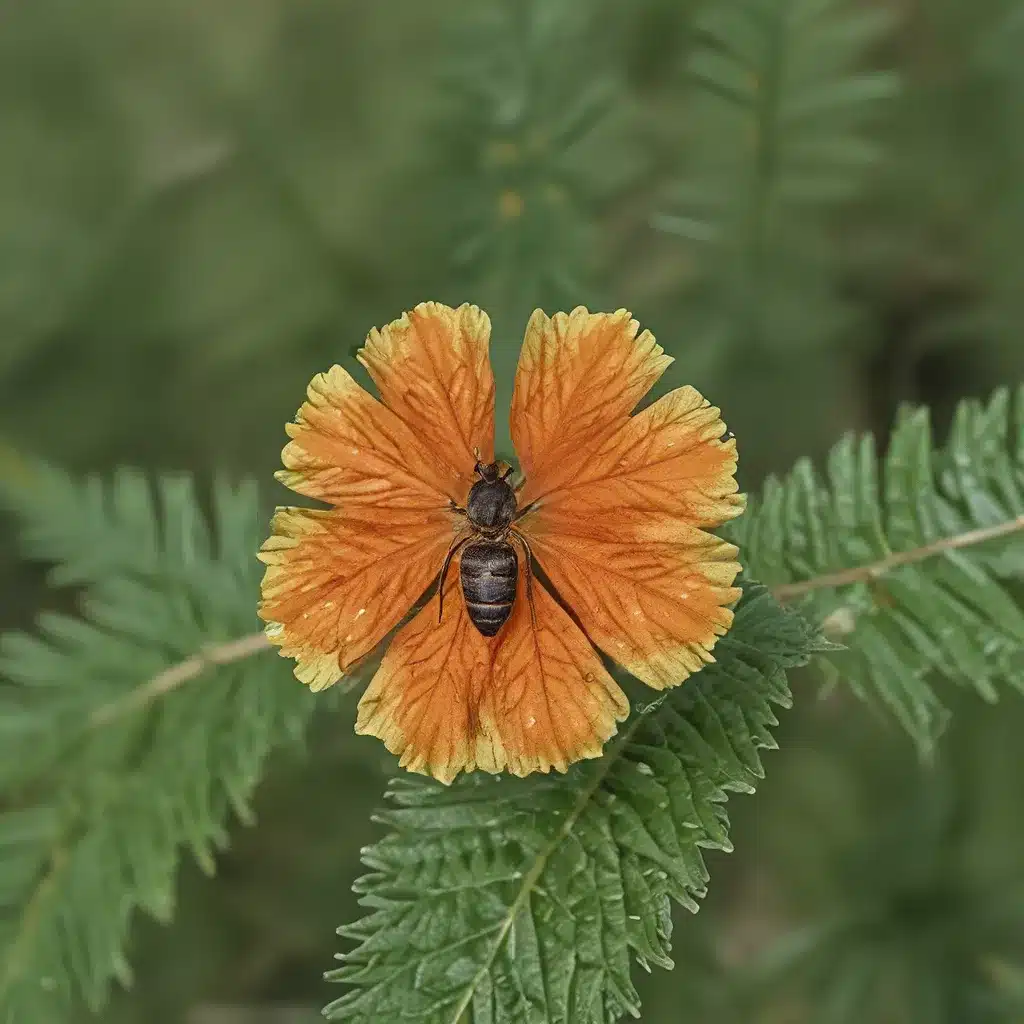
(818, 226)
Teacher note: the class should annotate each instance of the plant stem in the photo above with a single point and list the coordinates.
(173, 676)
(873, 570)
(532, 877)
(29, 920)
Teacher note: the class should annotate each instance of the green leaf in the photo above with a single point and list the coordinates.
(87, 528)
(775, 136)
(939, 600)
(112, 760)
(530, 90)
(526, 900)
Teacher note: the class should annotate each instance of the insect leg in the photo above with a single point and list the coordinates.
(522, 511)
(455, 545)
(528, 552)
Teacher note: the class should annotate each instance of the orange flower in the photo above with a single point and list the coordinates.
(614, 508)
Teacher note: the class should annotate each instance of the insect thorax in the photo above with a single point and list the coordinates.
(491, 506)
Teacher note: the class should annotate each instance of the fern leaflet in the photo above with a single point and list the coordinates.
(525, 900)
(951, 610)
(531, 89)
(775, 130)
(103, 782)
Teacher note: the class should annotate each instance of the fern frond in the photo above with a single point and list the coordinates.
(776, 134)
(524, 901)
(105, 779)
(528, 87)
(913, 561)
(86, 529)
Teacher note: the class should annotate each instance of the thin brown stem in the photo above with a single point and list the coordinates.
(30, 918)
(873, 570)
(160, 685)
(173, 677)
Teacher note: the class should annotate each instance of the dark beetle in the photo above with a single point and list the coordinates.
(489, 567)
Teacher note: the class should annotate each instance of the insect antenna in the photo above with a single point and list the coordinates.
(455, 545)
(528, 553)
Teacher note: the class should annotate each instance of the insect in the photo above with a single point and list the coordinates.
(489, 567)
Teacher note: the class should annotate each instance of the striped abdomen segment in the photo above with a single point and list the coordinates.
(489, 570)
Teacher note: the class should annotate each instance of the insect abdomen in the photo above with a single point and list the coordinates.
(489, 571)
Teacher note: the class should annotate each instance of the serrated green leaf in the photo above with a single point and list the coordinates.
(775, 134)
(525, 900)
(947, 614)
(104, 785)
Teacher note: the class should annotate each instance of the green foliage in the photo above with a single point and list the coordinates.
(996, 57)
(204, 204)
(527, 89)
(775, 136)
(525, 901)
(902, 881)
(107, 777)
(957, 614)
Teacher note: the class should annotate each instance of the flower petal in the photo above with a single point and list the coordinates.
(447, 699)
(580, 375)
(554, 702)
(349, 449)
(337, 582)
(432, 369)
(665, 471)
(623, 543)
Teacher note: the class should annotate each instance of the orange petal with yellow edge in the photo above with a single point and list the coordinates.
(657, 610)
(338, 581)
(349, 449)
(665, 471)
(432, 369)
(533, 698)
(623, 542)
(580, 375)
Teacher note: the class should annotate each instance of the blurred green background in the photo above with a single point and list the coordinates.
(205, 202)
